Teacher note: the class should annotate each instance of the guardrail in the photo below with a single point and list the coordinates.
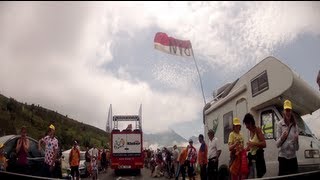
(8, 175)
(305, 175)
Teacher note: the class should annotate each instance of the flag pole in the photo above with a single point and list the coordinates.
(194, 59)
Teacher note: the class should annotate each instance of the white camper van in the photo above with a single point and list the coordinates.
(262, 91)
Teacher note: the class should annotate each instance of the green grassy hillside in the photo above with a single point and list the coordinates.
(14, 115)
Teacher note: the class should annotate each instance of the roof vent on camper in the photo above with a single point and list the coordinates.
(223, 91)
(217, 94)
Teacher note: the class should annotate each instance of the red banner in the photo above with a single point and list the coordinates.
(173, 46)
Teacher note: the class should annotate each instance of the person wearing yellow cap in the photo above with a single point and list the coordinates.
(235, 143)
(51, 151)
(287, 141)
(52, 127)
(3, 159)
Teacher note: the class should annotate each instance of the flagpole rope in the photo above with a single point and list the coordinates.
(194, 59)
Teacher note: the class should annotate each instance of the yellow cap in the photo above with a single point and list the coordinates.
(52, 127)
(236, 121)
(1, 145)
(287, 104)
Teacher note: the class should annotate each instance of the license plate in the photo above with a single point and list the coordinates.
(124, 167)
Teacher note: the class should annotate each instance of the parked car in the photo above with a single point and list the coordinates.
(35, 157)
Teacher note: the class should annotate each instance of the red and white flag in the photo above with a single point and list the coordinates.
(172, 46)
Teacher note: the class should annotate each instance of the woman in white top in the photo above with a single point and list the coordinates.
(255, 145)
(287, 141)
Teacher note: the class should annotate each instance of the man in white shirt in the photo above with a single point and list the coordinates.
(213, 156)
(175, 156)
(94, 151)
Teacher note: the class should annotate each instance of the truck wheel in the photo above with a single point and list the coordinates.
(138, 171)
(116, 172)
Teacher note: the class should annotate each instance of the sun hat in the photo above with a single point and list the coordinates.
(52, 127)
(287, 104)
(236, 121)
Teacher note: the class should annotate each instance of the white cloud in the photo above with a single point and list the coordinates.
(238, 33)
(176, 74)
(52, 53)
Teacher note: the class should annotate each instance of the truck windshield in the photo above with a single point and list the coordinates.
(303, 127)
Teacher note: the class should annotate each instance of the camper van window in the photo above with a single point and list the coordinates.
(303, 128)
(268, 121)
(227, 125)
(259, 84)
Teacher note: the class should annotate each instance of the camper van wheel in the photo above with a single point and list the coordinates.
(223, 172)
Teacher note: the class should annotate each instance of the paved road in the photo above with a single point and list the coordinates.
(127, 175)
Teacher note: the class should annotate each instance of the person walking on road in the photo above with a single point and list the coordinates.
(236, 145)
(74, 161)
(202, 157)
(175, 159)
(287, 141)
(255, 146)
(213, 156)
(104, 160)
(94, 165)
(3, 159)
(191, 160)
(51, 151)
(88, 160)
(94, 151)
(182, 164)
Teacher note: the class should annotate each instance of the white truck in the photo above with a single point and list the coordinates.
(262, 91)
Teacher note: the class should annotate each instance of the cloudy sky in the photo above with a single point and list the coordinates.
(77, 58)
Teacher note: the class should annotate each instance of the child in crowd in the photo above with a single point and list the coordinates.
(3, 159)
(94, 167)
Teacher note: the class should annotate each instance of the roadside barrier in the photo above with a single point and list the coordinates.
(8, 175)
(306, 175)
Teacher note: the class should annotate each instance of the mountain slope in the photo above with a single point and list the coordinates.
(167, 138)
(14, 115)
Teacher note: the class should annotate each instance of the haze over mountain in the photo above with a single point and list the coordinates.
(166, 138)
